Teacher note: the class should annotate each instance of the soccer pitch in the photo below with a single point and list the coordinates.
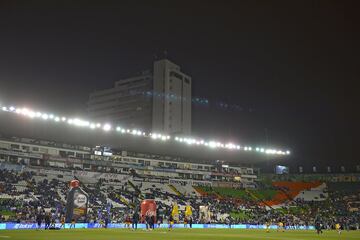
(176, 234)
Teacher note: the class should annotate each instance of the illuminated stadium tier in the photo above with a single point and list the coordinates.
(45, 153)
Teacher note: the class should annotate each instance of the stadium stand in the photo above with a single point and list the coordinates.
(34, 177)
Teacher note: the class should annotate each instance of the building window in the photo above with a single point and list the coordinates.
(15, 146)
(175, 74)
(35, 149)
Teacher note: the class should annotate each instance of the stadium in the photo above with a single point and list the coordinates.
(179, 120)
(50, 181)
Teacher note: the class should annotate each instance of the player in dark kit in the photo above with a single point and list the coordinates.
(318, 227)
(39, 220)
(152, 222)
(135, 220)
(47, 221)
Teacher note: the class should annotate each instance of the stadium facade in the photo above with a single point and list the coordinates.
(50, 154)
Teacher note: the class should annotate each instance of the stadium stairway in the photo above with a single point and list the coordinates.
(252, 195)
(201, 191)
(175, 190)
(205, 193)
(137, 190)
(124, 201)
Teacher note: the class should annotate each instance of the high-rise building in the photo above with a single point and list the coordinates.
(157, 100)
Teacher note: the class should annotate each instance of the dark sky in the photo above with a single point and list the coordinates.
(290, 65)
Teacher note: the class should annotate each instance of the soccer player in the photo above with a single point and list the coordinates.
(171, 222)
(135, 220)
(52, 224)
(267, 225)
(318, 227)
(39, 220)
(185, 222)
(72, 223)
(281, 226)
(106, 221)
(338, 228)
(147, 222)
(127, 221)
(47, 220)
(152, 222)
(62, 221)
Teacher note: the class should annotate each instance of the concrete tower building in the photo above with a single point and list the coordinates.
(157, 100)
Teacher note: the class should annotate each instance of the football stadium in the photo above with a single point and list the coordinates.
(179, 120)
(57, 189)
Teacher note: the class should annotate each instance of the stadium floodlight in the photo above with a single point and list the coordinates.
(107, 127)
(212, 144)
(80, 123)
(31, 114)
(44, 116)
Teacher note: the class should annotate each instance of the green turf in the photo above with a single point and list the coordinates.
(177, 234)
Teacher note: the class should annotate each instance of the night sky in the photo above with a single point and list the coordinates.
(287, 70)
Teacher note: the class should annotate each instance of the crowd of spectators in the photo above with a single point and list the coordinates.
(115, 201)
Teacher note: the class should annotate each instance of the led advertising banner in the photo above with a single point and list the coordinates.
(14, 226)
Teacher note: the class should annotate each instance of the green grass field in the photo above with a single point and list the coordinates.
(177, 234)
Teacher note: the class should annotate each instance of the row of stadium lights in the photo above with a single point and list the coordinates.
(156, 136)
